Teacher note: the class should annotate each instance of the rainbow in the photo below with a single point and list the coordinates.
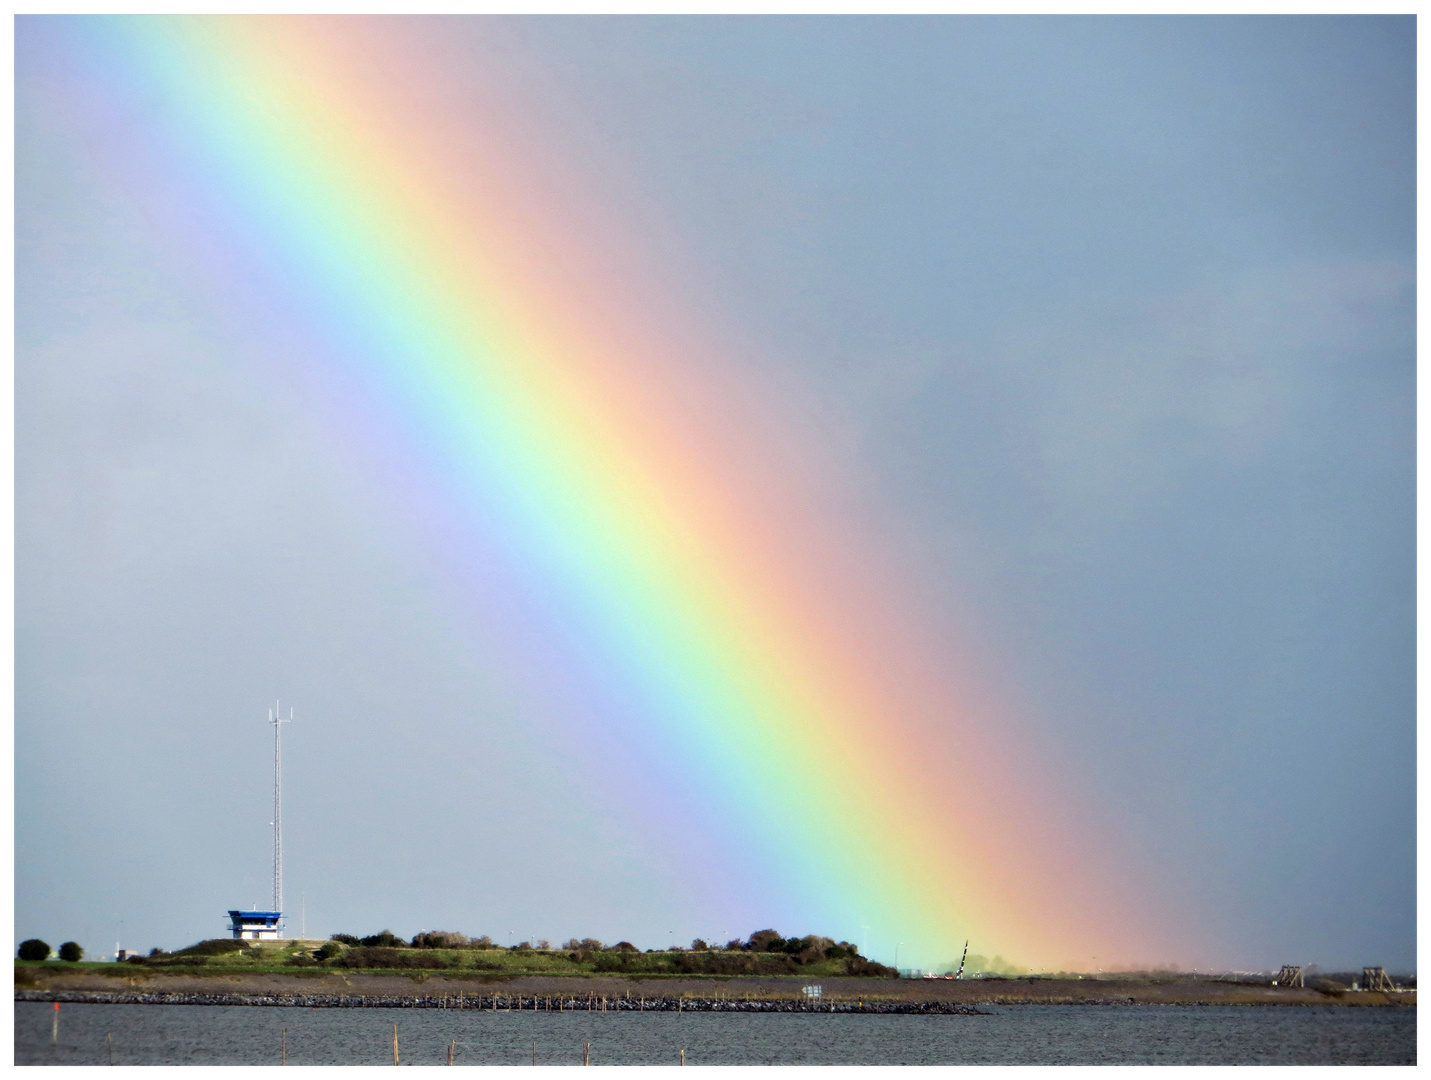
(662, 538)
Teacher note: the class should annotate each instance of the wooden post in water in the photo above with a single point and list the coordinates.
(586, 1054)
(55, 1025)
(534, 1051)
(109, 1038)
(683, 1055)
(395, 1046)
(283, 1053)
(451, 1051)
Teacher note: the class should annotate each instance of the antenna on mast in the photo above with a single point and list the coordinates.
(275, 717)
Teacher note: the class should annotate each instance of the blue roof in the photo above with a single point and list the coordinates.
(255, 915)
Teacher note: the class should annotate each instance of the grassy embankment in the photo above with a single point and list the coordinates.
(223, 956)
(294, 967)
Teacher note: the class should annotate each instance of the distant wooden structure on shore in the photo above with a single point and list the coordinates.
(1290, 975)
(1375, 978)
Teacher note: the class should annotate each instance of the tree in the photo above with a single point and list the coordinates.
(34, 949)
(765, 941)
(71, 951)
(440, 939)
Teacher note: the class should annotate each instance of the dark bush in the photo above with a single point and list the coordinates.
(858, 965)
(709, 963)
(583, 950)
(329, 949)
(699, 945)
(71, 951)
(765, 941)
(483, 942)
(34, 949)
(384, 940)
(441, 939)
(625, 946)
(590, 945)
(346, 939)
(733, 944)
(379, 957)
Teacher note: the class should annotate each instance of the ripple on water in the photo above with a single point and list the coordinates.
(1027, 1034)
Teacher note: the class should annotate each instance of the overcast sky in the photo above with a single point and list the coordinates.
(1114, 320)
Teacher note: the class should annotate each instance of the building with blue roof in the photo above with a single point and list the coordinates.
(256, 925)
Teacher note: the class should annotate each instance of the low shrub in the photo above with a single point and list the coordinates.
(34, 949)
(365, 956)
(858, 965)
(384, 939)
(71, 952)
(212, 947)
(718, 964)
(442, 939)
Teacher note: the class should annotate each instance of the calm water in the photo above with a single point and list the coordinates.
(1072, 1034)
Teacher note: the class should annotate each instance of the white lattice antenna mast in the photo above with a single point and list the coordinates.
(275, 717)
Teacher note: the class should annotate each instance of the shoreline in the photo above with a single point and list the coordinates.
(583, 994)
(498, 1003)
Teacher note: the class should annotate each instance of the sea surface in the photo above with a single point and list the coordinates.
(1024, 1034)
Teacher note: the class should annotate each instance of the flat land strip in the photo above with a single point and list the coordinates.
(474, 989)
